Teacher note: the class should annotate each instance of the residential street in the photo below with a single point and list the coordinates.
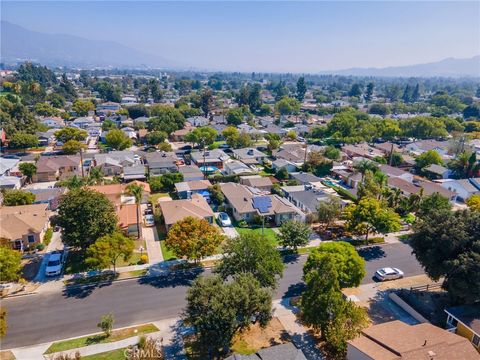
(50, 316)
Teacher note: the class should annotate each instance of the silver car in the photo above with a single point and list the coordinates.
(388, 273)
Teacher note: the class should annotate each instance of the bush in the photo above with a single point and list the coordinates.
(242, 224)
(143, 259)
(48, 236)
(40, 247)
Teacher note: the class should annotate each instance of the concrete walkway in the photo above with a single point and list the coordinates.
(153, 245)
(300, 335)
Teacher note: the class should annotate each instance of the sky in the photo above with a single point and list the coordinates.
(268, 36)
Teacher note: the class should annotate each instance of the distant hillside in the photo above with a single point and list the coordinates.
(448, 67)
(20, 44)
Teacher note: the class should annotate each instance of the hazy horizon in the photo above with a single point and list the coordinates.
(267, 36)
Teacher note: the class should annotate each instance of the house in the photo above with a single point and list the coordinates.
(191, 173)
(464, 188)
(53, 168)
(271, 128)
(235, 167)
(282, 163)
(361, 150)
(249, 156)
(419, 147)
(388, 147)
(239, 199)
(46, 138)
(295, 153)
(83, 122)
(135, 172)
(396, 340)
(435, 171)
(307, 198)
(8, 166)
(186, 189)
(142, 135)
(117, 193)
(464, 320)
(305, 178)
(25, 225)
(114, 162)
(108, 107)
(176, 210)
(53, 122)
(287, 351)
(215, 158)
(179, 135)
(50, 196)
(161, 162)
(419, 187)
(10, 182)
(391, 171)
(127, 219)
(198, 121)
(129, 132)
(260, 182)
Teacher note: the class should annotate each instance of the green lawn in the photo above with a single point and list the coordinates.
(155, 197)
(166, 252)
(75, 262)
(100, 338)
(134, 260)
(118, 354)
(269, 233)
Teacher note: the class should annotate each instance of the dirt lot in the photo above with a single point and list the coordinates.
(30, 267)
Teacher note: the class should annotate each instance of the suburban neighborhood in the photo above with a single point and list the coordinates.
(159, 213)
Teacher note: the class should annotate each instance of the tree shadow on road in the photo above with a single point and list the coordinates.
(372, 253)
(172, 278)
(290, 257)
(294, 290)
(83, 291)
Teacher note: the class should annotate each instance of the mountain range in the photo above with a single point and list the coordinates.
(18, 44)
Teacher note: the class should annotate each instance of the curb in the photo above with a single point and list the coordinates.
(20, 295)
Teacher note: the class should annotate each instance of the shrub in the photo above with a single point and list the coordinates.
(143, 259)
(242, 224)
(48, 236)
(40, 247)
(106, 324)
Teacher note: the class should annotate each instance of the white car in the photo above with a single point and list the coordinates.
(149, 220)
(388, 273)
(224, 220)
(54, 265)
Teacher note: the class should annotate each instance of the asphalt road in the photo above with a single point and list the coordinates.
(52, 316)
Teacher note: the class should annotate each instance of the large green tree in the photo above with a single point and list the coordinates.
(70, 133)
(250, 253)
(328, 211)
(108, 249)
(14, 197)
(428, 158)
(202, 136)
(166, 119)
(10, 264)
(85, 215)
(23, 140)
(28, 169)
(117, 140)
(294, 234)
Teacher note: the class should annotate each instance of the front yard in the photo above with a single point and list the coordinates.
(268, 233)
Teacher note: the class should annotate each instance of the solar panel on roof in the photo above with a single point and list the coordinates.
(262, 204)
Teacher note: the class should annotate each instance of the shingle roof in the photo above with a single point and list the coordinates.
(54, 163)
(17, 221)
(177, 210)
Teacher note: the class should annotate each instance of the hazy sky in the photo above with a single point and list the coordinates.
(268, 36)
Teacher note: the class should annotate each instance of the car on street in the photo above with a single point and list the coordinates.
(55, 264)
(149, 220)
(224, 220)
(388, 273)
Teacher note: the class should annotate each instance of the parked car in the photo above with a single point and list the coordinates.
(149, 220)
(55, 264)
(148, 211)
(388, 273)
(224, 220)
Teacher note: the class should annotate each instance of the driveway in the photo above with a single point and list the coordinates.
(231, 232)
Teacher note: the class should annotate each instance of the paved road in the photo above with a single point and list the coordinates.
(52, 316)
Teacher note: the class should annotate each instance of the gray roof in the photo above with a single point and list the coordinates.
(237, 167)
(436, 169)
(286, 351)
(161, 159)
(248, 153)
(309, 198)
(42, 195)
(304, 177)
(7, 164)
(210, 155)
(134, 170)
(115, 157)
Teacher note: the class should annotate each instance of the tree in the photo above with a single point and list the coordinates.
(216, 194)
(291, 135)
(250, 253)
(294, 234)
(14, 197)
(431, 203)
(73, 182)
(369, 91)
(70, 133)
(206, 101)
(108, 249)
(287, 106)
(106, 324)
(22, 140)
(274, 141)
(45, 109)
(202, 135)
(328, 211)
(193, 238)
(395, 159)
(168, 181)
(301, 89)
(72, 147)
(165, 118)
(428, 158)
(10, 264)
(96, 176)
(117, 140)
(365, 165)
(331, 152)
(465, 165)
(137, 192)
(3, 322)
(217, 310)
(379, 109)
(282, 173)
(85, 215)
(472, 112)
(474, 203)
(235, 116)
(371, 215)
(82, 107)
(355, 90)
(446, 244)
(155, 137)
(28, 169)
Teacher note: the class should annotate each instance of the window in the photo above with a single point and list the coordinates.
(31, 238)
(452, 321)
(476, 340)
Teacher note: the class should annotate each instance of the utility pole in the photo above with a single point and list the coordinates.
(81, 161)
(391, 156)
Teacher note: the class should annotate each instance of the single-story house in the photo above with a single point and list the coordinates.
(186, 189)
(127, 219)
(282, 163)
(10, 182)
(215, 157)
(179, 135)
(361, 150)
(396, 340)
(176, 210)
(435, 171)
(198, 121)
(161, 162)
(239, 199)
(53, 168)
(464, 320)
(287, 351)
(235, 167)
(295, 153)
(117, 193)
(305, 178)
(420, 187)
(83, 122)
(391, 171)
(419, 147)
(108, 107)
(135, 172)
(249, 156)
(7, 166)
(307, 198)
(260, 182)
(24, 225)
(114, 162)
(464, 188)
(53, 122)
(191, 173)
(48, 196)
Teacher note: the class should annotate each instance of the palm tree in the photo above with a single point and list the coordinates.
(137, 192)
(96, 176)
(363, 166)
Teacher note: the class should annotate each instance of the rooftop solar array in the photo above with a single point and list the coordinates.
(262, 204)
